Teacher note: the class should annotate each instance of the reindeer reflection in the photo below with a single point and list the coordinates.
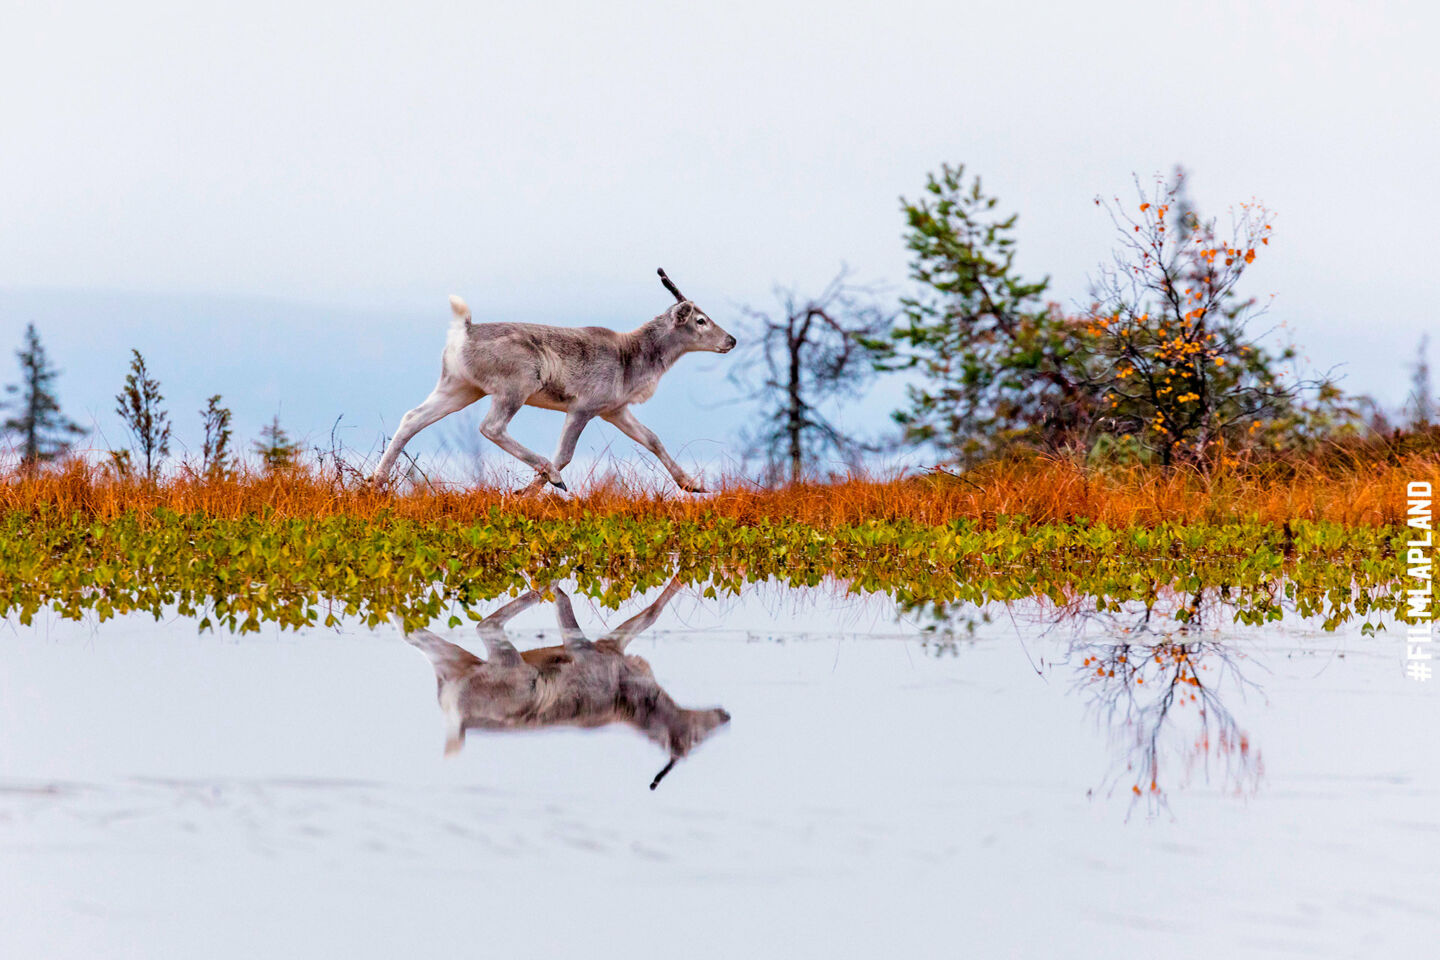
(578, 683)
(1143, 684)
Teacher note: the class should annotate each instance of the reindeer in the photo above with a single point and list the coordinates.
(586, 372)
(578, 684)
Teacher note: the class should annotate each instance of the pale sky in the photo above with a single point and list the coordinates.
(274, 200)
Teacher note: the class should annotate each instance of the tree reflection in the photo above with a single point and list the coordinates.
(1161, 693)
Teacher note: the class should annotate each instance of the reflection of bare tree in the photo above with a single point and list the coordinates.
(578, 683)
(1149, 672)
(1160, 693)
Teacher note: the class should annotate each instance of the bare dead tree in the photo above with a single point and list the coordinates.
(801, 358)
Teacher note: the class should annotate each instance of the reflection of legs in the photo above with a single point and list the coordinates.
(643, 620)
(448, 660)
(503, 407)
(492, 630)
(448, 396)
(569, 626)
(643, 435)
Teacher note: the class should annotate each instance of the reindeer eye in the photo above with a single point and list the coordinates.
(700, 322)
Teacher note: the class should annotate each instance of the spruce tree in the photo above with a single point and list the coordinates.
(989, 353)
(277, 451)
(43, 432)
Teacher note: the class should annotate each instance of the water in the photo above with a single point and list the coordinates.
(879, 789)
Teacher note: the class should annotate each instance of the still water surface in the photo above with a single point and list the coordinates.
(880, 789)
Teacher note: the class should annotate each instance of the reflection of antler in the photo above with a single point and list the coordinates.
(1142, 689)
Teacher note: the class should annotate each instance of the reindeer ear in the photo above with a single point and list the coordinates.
(683, 310)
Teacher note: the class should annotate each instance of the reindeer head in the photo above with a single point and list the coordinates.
(684, 732)
(691, 328)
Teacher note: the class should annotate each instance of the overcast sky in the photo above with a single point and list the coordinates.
(274, 199)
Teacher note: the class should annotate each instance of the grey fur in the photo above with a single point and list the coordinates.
(585, 372)
(578, 683)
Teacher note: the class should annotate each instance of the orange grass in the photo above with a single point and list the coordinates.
(1356, 492)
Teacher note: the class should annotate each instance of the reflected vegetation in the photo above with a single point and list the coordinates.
(235, 573)
(1160, 682)
(1155, 678)
(578, 683)
(1160, 695)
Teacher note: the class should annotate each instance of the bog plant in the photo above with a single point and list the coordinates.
(238, 572)
(1255, 542)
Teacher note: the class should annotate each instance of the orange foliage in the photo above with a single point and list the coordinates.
(1346, 489)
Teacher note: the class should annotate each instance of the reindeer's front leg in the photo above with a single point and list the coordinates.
(575, 421)
(643, 435)
(574, 640)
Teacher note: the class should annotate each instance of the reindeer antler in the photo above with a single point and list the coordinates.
(670, 285)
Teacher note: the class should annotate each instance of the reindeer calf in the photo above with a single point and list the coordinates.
(586, 372)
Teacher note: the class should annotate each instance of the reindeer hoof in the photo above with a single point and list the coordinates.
(560, 485)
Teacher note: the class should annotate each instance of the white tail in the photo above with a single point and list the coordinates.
(462, 312)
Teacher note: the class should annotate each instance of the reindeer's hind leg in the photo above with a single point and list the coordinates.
(449, 660)
(450, 394)
(492, 630)
(575, 422)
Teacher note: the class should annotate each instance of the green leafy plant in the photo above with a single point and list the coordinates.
(235, 572)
